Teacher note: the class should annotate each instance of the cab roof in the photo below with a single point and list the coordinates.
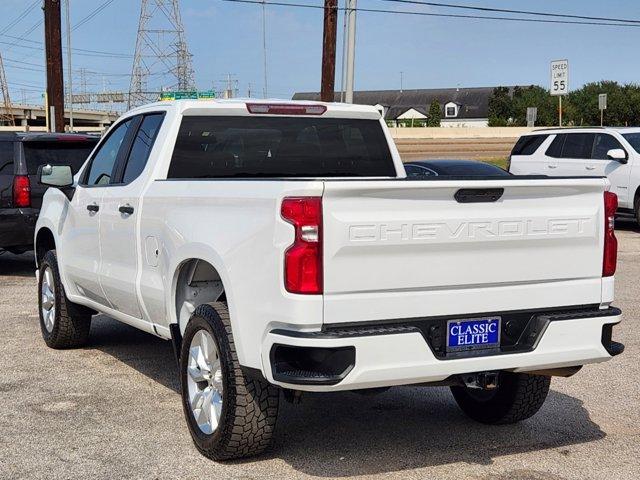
(238, 106)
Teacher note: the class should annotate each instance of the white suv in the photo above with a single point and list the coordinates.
(594, 152)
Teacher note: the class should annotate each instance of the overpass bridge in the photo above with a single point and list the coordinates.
(27, 116)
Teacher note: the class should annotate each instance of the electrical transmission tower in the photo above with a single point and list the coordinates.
(161, 52)
(6, 117)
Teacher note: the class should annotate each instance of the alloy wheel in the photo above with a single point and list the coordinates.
(48, 295)
(204, 381)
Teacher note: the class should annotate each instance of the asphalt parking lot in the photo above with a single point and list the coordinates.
(112, 410)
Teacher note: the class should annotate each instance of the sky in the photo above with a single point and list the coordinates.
(432, 52)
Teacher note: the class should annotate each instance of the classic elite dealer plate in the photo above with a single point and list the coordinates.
(473, 334)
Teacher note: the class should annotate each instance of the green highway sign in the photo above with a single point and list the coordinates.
(180, 95)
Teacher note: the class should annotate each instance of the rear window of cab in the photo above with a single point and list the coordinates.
(280, 146)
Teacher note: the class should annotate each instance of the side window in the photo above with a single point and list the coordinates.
(578, 145)
(528, 144)
(104, 160)
(602, 145)
(142, 144)
(6, 158)
(555, 149)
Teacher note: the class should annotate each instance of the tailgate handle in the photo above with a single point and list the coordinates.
(478, 195)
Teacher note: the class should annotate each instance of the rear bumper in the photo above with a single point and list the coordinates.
(400, 355)
(17, 227)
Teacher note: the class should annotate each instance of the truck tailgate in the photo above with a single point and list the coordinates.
(408, 249)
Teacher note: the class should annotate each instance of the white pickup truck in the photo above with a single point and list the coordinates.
(281, 247)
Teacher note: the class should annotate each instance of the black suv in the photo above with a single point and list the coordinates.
(20, 194)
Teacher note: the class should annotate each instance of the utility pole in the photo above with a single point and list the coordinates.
(53, 50)
(69, 71)
(401, 78)
(265, 91)
(351, 49)
(343, 58)
(329, 50)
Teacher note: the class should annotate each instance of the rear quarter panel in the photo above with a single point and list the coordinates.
(235, 226)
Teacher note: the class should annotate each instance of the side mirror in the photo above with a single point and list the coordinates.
(57, 176)
(617, 154)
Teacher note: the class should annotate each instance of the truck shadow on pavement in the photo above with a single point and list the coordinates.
(627, 225)
(17, 265)
(345, 434)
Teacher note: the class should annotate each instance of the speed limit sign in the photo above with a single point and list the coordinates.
(559, 77)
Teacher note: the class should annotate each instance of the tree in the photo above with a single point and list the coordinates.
(622, 107)
(500, 107)
(435, 114)
(533, 96)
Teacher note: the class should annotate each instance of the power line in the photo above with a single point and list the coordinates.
(75, 70)
(24, 35)
(19, 18)
(504, 10)
(92, 14)
(79, 51)
(441, 15)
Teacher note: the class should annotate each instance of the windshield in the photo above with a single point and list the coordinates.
(633, 139)
(57, 153)
(252, 146)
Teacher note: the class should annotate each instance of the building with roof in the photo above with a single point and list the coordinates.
(459, 107)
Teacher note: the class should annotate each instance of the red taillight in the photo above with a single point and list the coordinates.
(285, 109)
(21, 191)
(610, 240)
(303, 259)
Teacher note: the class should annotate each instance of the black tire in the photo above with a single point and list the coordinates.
(249, 406)
(636, 208)
(517, 397)
(72, 322)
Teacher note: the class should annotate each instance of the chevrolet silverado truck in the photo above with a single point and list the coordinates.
(282, 249)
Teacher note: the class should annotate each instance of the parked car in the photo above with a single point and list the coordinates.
(594, 152)
(20, 194)
(456, 168)
(279, 246)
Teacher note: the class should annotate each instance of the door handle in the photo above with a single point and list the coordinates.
(590, 167)
(552, 166)
(126, 209)
(93, 207)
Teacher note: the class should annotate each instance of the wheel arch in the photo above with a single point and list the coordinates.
(196, 280)
(44, 241)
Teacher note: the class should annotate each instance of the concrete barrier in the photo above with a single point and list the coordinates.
(463, 143)
(458, 132)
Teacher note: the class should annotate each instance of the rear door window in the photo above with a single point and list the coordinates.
(578, 145)
(142, 144)
(72, 153)
(528, 144)
(602, 144)
(252, 146)
(555, 149)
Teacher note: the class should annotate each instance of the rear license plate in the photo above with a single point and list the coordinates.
(473, 334)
